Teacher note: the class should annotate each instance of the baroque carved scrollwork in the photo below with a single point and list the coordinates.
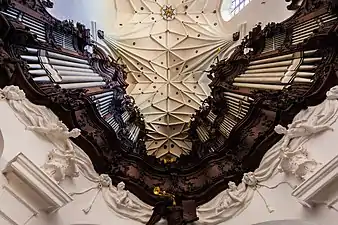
(221, 159)
(294, 4)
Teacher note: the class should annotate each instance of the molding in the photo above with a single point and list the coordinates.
(21, 200)
(7, 218)
(8, 211)
(52, 195)
(2, 144)
(317, 183)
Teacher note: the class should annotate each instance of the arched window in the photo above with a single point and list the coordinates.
(232, 7)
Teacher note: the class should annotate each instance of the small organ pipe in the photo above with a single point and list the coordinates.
(82, 85)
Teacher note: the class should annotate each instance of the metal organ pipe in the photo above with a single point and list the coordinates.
(270, 75)
(82, 85)
(202, 133)
(69, 72)
(111, 121)
(125, 116)
(211, 117)
(304, 30)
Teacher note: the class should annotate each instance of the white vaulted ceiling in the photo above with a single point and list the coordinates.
(167, 45)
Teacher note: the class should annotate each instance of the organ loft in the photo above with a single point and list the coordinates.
(168, 112)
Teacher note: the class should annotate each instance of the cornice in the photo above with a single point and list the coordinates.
(22, 169)
(317, 183)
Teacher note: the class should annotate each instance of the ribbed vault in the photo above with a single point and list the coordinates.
(167, 45)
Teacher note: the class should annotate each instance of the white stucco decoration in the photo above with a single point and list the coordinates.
(297, 161)
(167, 54)
(39, 119)
(226, 204)
(60, 165)
(315, 119)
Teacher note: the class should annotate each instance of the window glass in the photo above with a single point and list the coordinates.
(231, 7)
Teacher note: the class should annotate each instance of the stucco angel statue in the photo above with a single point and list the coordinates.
(299, 128)
(234, 196)
(123, 198)
(58, 133)
(60, 165)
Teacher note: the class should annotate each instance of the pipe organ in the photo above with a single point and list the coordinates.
(64, 40)
(281, 61)
(238, 105)
(304, 30)
(118, 119)
(274, 73)
(55, 58)
(274, 42)
(66, 71)
(277, 73)
(202, 133)
(34, 25)
(103, 103)
(211, 117)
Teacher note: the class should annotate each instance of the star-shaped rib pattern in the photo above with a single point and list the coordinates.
(167, 60)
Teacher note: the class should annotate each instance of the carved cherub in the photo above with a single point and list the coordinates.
(233, 196)
(234, 192)
(122, 197)
(296, 162)
(60, 165)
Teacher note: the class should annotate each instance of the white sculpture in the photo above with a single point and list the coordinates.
(61, 162)
(297, 129)
(332, 94)
(61, 165)
(121, 201)
(250, 179)
(296, 162)
(105, 180)
(59, 134)
(12, 93)
(122, 197)
(233, 196)
(1, 144)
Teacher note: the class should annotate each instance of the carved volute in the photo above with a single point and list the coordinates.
(230, 132)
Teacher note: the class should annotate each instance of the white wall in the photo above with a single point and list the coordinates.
(84, 11)
(17, 139)
(255, 11)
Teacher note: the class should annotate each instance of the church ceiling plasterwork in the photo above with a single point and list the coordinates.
(167, 45)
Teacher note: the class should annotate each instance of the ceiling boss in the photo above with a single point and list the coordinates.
(168, 12)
